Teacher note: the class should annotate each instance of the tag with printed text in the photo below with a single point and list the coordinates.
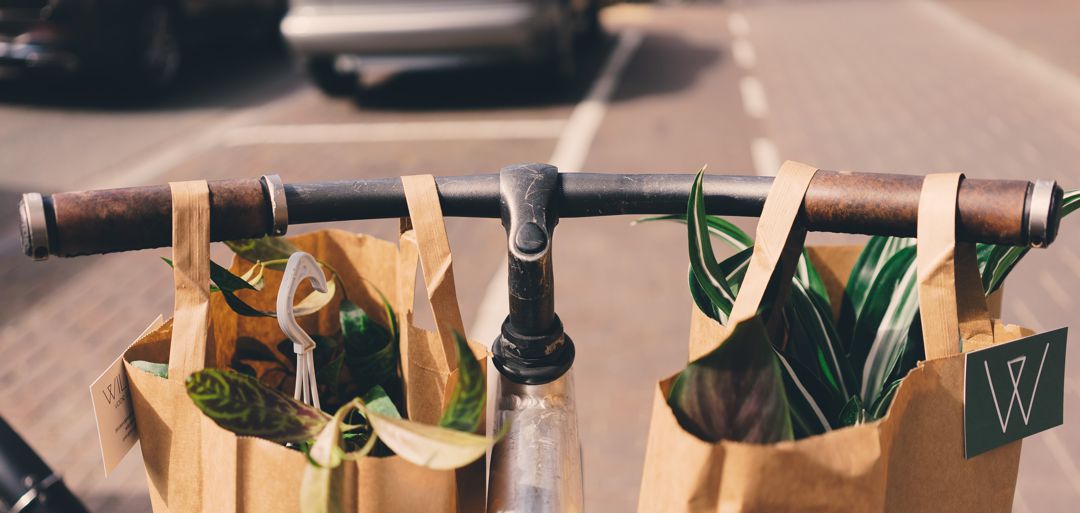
(1013, 390)
(113, 410)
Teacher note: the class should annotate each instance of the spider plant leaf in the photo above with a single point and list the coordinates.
(468, 401)
(853, 413)
(997, 261)
(869, 265)
(264, 249)
(241, 404)
(814, 341)
(718, 226)
(701, 300)
(735, 392)
(881, 332)
(702, 259)
(814, 406)
(808, 276)
(884, 400)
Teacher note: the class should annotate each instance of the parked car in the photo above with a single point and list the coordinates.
(139, 41)
(336, 38)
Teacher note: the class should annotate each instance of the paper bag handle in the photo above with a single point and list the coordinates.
(779, 239)
(424, 238)
(191, 277)
(952, 302)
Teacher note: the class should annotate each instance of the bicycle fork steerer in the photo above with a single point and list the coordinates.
(537, 467)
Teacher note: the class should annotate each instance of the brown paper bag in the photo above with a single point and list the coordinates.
(912, 460)
(193, 465)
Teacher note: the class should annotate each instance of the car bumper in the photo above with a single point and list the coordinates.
(413, 30)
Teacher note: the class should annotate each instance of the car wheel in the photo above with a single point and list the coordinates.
(560, 63)
(592, 30)
(157, 62)
(331, 80)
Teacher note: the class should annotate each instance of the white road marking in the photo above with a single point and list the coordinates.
(1061, 455)
(491, 129)
(753, 97)
(1025, 63)
(569, 156)
(765, 156)
(738, 25)
(744, 53)
(162, 161)
(584, 122)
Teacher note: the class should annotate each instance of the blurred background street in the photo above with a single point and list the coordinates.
(987, 87)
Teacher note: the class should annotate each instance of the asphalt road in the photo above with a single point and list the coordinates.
(989, 88)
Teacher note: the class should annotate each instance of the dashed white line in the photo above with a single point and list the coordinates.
(753, 97)
(569, 156)
(508, 129)
(744, 53)
(574, 143)
(738, 25)
(765, 156)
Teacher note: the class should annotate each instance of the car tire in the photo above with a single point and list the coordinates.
(158, 48)
(329, 79)
(559, 65)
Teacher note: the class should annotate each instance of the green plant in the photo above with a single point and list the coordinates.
(835, 373)
(243, 405)
(357, 373)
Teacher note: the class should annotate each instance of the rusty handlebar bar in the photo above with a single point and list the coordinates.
(80, 223)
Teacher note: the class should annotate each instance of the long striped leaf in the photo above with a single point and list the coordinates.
(246, 407)
(810, 402)
(997, 261)
(864, 273)
(702, 259)
(814, 342)
(718, 226)
(881, 333)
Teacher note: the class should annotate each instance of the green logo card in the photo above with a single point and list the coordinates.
(1013, 390)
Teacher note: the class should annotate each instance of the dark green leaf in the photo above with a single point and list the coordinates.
(814, 342)
(265, 249)
(377, 401)
(160, 370)
(718, 226)
(246, 407)
(871, 262)
(702, 260)
(881, 332)
(735, 392)
(853, 413)
(884, 400)
(371, 352)
(814, 405)
(468, 401)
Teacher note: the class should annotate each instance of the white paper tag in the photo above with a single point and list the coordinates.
(113, 410)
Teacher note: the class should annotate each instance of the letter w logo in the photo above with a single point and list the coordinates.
(1016, 370)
